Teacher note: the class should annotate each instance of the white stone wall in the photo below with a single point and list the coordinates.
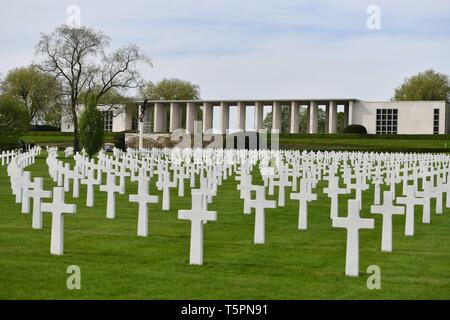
(121, 122)
(66, 123)
(414, 117)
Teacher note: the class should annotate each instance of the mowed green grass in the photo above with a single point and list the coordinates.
(365, 143)
(293, 264)
(53, 137)
(392, 143)
(377, 142)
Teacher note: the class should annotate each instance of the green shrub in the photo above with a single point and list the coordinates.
(91, 130)
(14, 118)
(355, 128)
(119, 140)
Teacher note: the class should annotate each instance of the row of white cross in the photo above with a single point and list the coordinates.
(7, 156)
(298, 171)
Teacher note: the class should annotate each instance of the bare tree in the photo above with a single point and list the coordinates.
(77, 57)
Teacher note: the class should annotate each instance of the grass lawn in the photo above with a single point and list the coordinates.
(421, 143)
(293, 264)
(54, 138)
(369, 143)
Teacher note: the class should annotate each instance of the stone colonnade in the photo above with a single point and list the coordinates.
(162, 123)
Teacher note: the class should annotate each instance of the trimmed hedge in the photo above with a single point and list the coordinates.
(355, 128)
(357, 148)
(41, 128)
(118, 138)
(47, 133)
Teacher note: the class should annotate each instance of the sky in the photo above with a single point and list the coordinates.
(248, 49)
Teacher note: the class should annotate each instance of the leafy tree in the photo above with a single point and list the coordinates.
(91, 128)
(340, 122)
(285, 120)
(303, 120)
(112, 100)
(78, 58)
(14, 118)
(321, 120)
(39, 92)
(428, 86)
(171, 89)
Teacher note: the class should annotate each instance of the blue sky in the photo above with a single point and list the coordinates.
(255, 49)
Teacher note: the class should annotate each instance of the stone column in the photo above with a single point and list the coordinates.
(327, 118)
(308, 108)
(276, 116)
(350, 112)
(224, 117)
(346, 115)
(159, 117)
(294, 117)
(332, 117)
(191, 113)
(313, 117)
(175, 117)
(207, 116)
(241, 116)
(259, 114)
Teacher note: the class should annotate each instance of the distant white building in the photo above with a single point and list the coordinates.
(403, 117)
(384, 117)
(116, 119)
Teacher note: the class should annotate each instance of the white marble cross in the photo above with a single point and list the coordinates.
(303, 197)
(208, 188)
(295, 174)
(198, 216)
(143, 198)
(333, 191)
(426, 195)
(387, 210)
(76, 181)
(353, 223)
(446, 189)
(282, 183)
(111, 189)
(16, 184)
(436, 192)
(68, 174)
(359, 186)
(68, 152)
(165, 184)
(181, 176)
(58, 208)
(392, 179)
(260, 203)
(90, 182)
(245, 188)
(27, 186)
(37, 194)
(60, 173)
(122, 174)
(377, 182)
(410, 201)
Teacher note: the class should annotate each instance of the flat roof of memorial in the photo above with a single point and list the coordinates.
(251, 100)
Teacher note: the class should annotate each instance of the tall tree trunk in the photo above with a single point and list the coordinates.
(76, 140)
